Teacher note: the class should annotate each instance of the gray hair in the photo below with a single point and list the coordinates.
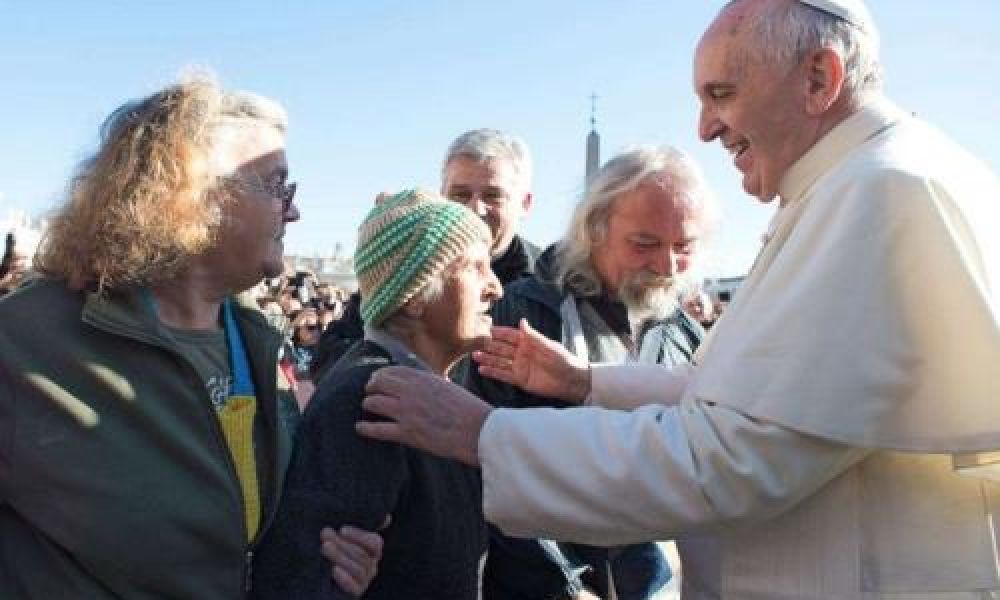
(142, 206)
(434, 289)
(238, 112)
(787, 32)
(246, 106)
(663, 166)
(482, 145)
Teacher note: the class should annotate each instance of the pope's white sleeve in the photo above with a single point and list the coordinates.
(624, 387)
(610, 477)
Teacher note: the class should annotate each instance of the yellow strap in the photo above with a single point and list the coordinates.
(236, 418)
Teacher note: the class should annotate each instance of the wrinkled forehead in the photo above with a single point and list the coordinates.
(657, 203)
(479, 171)
(724, 48)
(690, 209)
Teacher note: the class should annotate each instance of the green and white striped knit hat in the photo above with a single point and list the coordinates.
(404, 243)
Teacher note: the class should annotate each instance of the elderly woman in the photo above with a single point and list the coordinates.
(423, 266)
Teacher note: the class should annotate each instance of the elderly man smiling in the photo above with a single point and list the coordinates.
(836, 432)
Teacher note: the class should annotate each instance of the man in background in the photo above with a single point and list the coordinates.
(490, 171)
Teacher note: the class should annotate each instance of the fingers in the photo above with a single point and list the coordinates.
(368, 542)
(509, 335)
(506, 340)
(387, 432)
(347, 582)
(353, 570)
(379, 382)
(357, 560)
(497, 354)
(496, 360)
(534, 336)
(354, 554)
(386, 406)
(387, 392)
(500, 348)
(395, 381)
(504, 375)
(492, 360)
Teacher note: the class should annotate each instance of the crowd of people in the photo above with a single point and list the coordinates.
(196, 420)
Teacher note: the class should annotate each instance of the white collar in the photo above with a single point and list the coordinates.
(872, 119)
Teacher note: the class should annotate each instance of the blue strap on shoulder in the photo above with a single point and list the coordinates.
(242, 381)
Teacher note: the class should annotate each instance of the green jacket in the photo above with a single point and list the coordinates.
(115, 478)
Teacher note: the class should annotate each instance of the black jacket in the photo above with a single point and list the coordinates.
(437, 538)
(516, 262)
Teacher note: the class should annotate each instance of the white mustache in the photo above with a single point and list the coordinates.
(649, 279)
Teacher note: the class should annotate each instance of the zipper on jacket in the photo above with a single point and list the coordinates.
(248, 571)
(273, 348)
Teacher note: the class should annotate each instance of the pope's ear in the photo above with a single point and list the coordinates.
(824, 80)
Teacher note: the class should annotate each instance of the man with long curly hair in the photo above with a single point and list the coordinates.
(145, 430)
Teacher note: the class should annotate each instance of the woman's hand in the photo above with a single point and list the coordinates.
(354, 555)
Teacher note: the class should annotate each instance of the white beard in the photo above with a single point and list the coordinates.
(650, 296)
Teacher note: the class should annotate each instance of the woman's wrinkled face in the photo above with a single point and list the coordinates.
(459, 318)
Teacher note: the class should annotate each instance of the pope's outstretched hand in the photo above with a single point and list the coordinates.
(527, 359)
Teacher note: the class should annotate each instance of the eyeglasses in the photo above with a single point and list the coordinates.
(275, 189)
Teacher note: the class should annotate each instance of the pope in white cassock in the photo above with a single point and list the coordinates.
(840, 429)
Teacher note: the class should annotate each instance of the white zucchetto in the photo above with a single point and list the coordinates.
(853, 11)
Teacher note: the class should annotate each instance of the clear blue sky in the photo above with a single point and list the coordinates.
(376, 89)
